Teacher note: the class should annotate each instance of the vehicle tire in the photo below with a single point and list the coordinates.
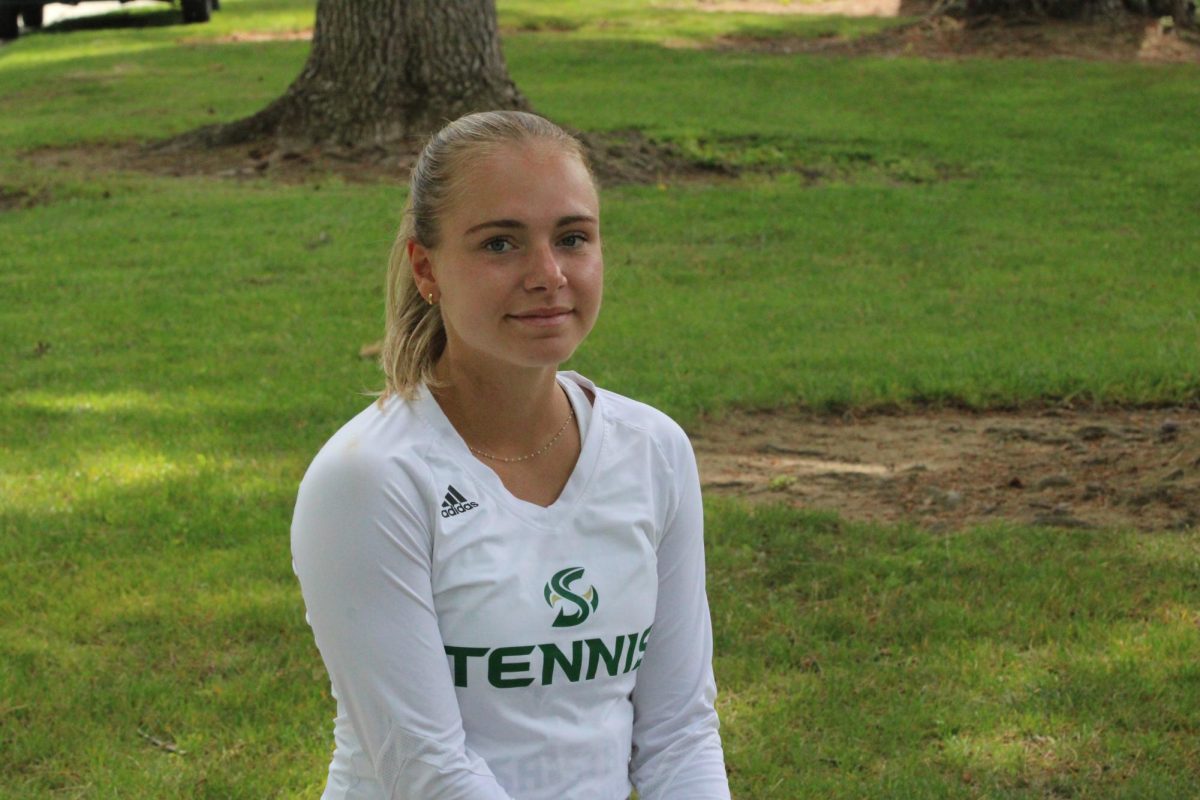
(32, 16)
(197, 10)
(8, 23)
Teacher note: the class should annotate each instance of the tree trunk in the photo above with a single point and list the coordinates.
(1184, 13)
(383, 73)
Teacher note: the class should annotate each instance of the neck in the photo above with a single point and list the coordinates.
(505, 411)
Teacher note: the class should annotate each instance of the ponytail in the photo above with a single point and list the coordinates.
(415, 337)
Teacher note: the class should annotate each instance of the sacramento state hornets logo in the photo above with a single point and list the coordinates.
(559, 588)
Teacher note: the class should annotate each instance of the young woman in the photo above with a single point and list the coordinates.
(503, 564)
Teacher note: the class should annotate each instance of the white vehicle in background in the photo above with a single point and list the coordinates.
(30, 12)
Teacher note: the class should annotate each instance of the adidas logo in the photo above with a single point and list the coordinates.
(455, 503)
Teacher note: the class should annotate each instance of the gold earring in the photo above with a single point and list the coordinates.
(431, 298)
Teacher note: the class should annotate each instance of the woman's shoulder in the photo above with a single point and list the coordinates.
(367, 485)
(379, 444)
(637, 416)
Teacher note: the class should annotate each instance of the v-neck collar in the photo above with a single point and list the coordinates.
(574, 384)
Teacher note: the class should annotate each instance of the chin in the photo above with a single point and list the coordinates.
(551, 354)
(548, 359)
(548, 350)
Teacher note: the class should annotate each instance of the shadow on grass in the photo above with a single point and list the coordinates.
(1068, 657)
(42, 437)
(197, 512)
(118, 20)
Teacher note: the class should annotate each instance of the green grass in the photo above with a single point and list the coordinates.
(977, 232)
(672, 22)
(864, 662)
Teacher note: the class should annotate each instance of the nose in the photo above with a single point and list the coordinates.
(544, 270)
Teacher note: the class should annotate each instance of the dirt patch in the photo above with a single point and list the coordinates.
(950, 469)
(242, 162)
(241, 37)
(845, 8)
(13, 198)
(623, 157)
(1123, 39)
(618, 157)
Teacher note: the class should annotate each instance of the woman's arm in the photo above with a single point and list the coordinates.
(362, 555)
(676, 747)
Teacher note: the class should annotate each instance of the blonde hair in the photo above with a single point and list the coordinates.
(415, 335)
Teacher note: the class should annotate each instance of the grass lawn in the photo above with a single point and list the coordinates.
(983, 232)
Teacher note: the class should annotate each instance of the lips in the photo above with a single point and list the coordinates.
(543, 317)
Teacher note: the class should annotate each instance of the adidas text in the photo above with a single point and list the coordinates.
(459, 508)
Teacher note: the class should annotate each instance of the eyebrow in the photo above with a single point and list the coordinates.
(512, 223)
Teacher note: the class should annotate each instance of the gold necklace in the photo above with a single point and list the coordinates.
(535, 453)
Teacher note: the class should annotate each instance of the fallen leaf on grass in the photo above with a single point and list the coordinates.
(170, 747)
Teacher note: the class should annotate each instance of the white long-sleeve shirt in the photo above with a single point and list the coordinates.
(480, 646)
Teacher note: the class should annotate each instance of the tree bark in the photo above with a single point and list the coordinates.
(383, 73)
(1184, 13)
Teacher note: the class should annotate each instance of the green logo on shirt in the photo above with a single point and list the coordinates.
(559, 588)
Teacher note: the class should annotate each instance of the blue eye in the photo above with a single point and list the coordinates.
(574, 240)
(497, 245)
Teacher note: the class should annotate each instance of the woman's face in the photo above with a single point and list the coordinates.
(518, 270)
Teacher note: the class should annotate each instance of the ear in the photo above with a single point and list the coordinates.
(422, 268)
